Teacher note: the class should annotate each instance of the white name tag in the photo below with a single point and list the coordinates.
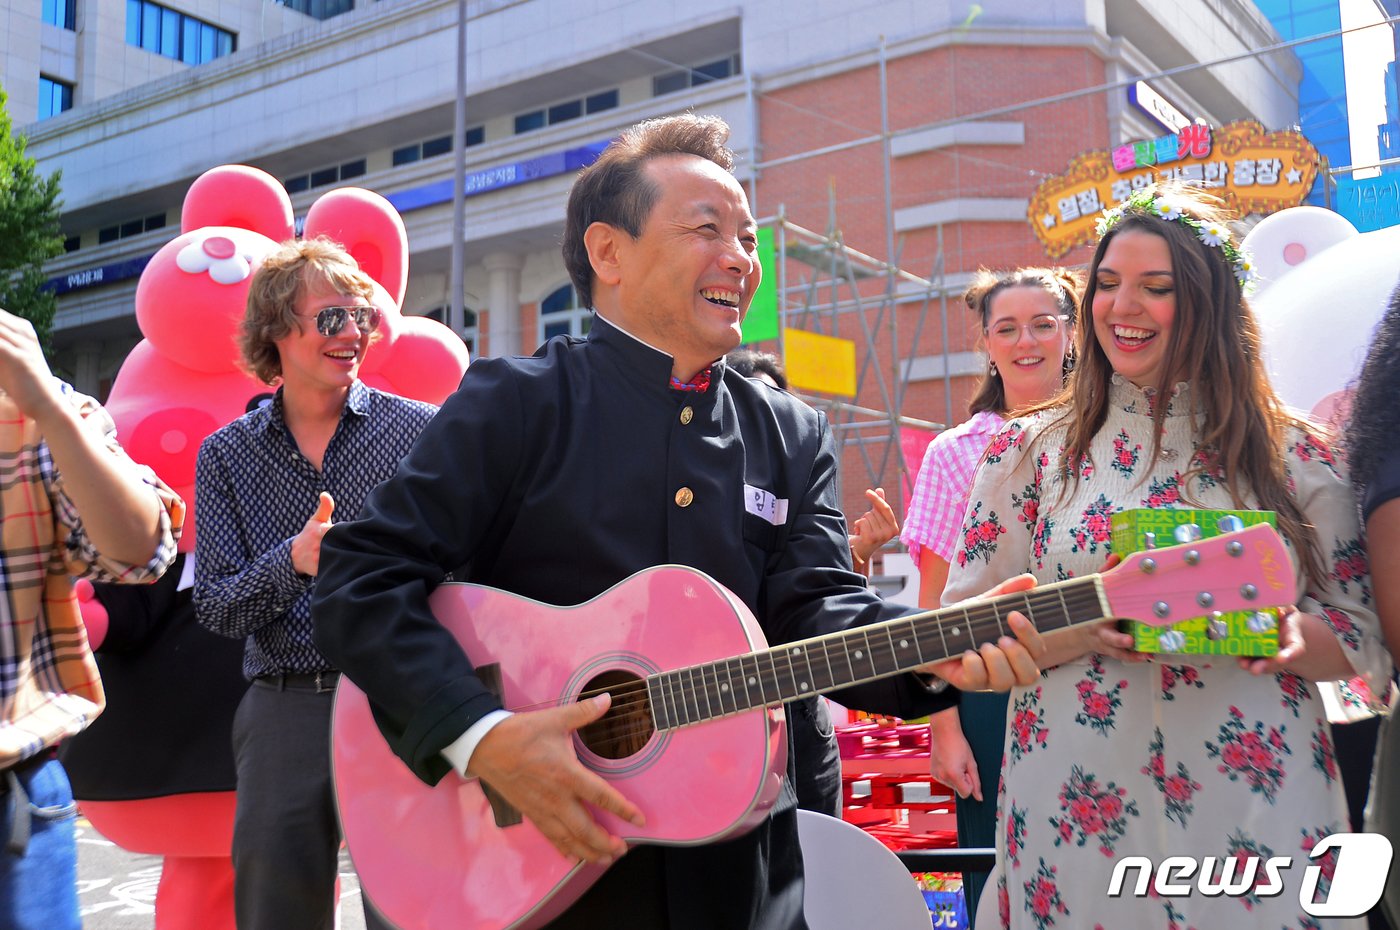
(763, 504)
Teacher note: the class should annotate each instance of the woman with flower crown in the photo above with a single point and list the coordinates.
(1115, 753)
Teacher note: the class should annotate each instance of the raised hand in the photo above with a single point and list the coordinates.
(306, 545)
(875, 528)
(24, 374)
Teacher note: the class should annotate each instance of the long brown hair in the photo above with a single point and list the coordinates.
(1063, 285)
(1240, 423)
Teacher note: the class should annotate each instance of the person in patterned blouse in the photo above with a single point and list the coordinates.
(74, 505)
(1114, 753)
(1026, 317)
(266, 486)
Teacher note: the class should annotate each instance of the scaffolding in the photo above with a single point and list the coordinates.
(824, 286)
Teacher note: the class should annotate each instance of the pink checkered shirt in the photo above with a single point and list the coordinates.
(945, 479)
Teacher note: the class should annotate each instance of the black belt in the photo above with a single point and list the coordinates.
(319, 682)
(18, 840)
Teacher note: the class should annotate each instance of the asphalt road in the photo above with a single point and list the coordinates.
(117, 889)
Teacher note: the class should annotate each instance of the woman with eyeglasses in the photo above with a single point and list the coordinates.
(1026, 319)
(1225, 761)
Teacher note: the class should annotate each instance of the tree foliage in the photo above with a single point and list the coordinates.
(30, 233)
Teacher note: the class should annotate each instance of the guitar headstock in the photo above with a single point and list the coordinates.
(1245, 570)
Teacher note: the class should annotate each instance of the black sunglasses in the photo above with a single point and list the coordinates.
(331, 320)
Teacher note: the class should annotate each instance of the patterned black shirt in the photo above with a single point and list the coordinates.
(254, 492)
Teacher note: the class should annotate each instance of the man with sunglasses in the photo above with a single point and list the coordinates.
(266, 486)
(555, 477)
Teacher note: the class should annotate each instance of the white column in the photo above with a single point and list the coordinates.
(503, 301)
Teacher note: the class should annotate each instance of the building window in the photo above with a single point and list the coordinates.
(694, 76)
(470, 330)
(130, 228)
(565, 111)
(72, 243)
(431, 148)
(54, 97)
(174, 35)
(61, 13)
(319, 9)
(324, 176)
(561, 315)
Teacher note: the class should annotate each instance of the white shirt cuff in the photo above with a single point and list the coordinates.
(458, 753)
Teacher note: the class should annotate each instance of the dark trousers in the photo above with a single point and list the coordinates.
(818, 759)
(983, 717)
(286, 836)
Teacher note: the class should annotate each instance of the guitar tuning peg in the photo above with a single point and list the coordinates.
(1229, 524)
(1187, 532)
(1171, 640)
(1260, 622)
(1216, 627)
(1149, 540)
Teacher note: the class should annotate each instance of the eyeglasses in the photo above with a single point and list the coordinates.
(1043, 328)
(331, 320)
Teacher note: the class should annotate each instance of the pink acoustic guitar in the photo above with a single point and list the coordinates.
(695, 734)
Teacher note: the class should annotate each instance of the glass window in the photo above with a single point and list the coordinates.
(669, 83)
(407, 155)
(527, 122)
(156, 221)
(132, 228)
(713, 71)
(109, 234)
(475, 136)
(435, 147)
(54, 97)
(324, 176)
(150, 27)
(607, 100)
(561, 315)
(133, 22)
(297, 184)
(61, 13)
(171, 33)
(352, 169)
(561, 112)
(72, 243)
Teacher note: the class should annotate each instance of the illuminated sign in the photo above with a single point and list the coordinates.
(1252, 170)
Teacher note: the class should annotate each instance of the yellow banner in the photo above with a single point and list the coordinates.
(820, 363)
(1254, 171)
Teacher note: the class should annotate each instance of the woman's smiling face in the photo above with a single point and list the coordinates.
(1135, 305)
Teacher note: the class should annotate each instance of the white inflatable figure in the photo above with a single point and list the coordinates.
(1322, 288)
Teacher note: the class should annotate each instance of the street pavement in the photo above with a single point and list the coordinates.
(117, 889)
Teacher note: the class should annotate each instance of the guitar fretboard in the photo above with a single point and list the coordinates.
(697, 693)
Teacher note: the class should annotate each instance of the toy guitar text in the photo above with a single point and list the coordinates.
(694, 736)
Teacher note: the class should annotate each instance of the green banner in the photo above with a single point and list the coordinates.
(762, 321)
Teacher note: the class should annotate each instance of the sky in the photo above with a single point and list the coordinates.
(1367, 52)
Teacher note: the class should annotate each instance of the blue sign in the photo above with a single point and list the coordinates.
(1371, 203)
(99, 276)
(500, 177)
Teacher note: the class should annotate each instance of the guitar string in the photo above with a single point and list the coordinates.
(617, 728)
(920, 622)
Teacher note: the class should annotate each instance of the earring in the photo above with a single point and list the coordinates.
(992, 367)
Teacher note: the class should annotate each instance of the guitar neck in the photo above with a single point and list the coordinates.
(838, 660)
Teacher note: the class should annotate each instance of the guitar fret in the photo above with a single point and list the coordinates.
(869, 656)
(807, 658)
(967, 622)
(996, 615)
(705, 688)
(659, 711)
(914, 635)
(692, 701)
(727, 689)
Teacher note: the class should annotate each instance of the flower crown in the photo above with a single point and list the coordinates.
(1214, 235)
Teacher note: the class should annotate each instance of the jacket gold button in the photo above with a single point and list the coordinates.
(687, 414)
(684, 497)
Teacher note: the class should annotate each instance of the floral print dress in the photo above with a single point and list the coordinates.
(1182, 756)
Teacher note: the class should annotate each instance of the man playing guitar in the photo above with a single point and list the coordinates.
(557, 476)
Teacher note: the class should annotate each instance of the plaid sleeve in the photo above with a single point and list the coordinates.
(940, 494)
(81, 555)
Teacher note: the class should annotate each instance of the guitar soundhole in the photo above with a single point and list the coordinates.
(626, 727)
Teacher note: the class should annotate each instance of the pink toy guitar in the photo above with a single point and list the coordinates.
(695, 734)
